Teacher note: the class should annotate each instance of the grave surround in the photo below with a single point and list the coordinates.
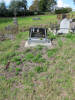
(37, 36)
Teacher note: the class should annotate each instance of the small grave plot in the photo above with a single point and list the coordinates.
(37, 36)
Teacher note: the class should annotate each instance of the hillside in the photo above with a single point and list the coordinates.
(38, 73)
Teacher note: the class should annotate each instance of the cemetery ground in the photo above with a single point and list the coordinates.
(38, 73)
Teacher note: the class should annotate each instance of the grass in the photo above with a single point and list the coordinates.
(38, 58)
(38, 73)
(18, 70)
(60, 42)
(29, 56)
(8, 48)
(26, 22)
(40, 69)
(52, 52)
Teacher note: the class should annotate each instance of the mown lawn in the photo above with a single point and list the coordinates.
(28, 21)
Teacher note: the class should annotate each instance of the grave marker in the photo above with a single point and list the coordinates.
(37, 36)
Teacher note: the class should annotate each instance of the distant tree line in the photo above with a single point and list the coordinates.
(16, 8)
(20, 8)
(42, 5)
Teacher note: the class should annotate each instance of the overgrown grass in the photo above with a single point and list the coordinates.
(40, 69)
(49, 78)
(9, 48)
(52, 52)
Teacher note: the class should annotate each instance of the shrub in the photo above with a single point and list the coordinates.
(63, 10)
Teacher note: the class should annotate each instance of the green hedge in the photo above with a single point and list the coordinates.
(63, 10)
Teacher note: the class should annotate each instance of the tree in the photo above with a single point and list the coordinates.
(63, 10)
(18, 7)
(34, 6)
(46, 5)
(3, 9)
(24, 4)
(43, 5)
(51, 4)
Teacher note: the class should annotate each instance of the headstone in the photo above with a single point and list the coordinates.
(36, 19)
(64, 26)
(38, 32)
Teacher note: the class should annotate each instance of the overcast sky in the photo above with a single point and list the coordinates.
(60, 3)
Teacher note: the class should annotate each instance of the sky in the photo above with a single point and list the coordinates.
(60, 3)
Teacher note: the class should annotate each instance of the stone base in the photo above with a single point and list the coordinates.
(33, 44)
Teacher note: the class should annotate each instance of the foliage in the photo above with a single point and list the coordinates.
(17, 70)
(3, 10)
(34, 6)
(52, 80)
(52, 52)
(16, 7)
(40, 69)
(46, 5)
(51, 36)
(29, 56)
(63, 10)
(60, 43)
(17, 60)
(38, 58)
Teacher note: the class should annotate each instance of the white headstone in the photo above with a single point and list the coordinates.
(64, 26)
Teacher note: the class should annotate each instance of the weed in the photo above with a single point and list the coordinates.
(18, 62)
(39, 47)
(60, 43)
(23, 59)
(51, 52)
(16, 58)
(31, 74)
(29, 56)
(27, 50)
(51, 36)
(40, 69)
(16, 46)
(17, 71)
(69, 36)
(38, 58)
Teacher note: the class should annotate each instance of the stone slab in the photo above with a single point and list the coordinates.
(33, 44)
